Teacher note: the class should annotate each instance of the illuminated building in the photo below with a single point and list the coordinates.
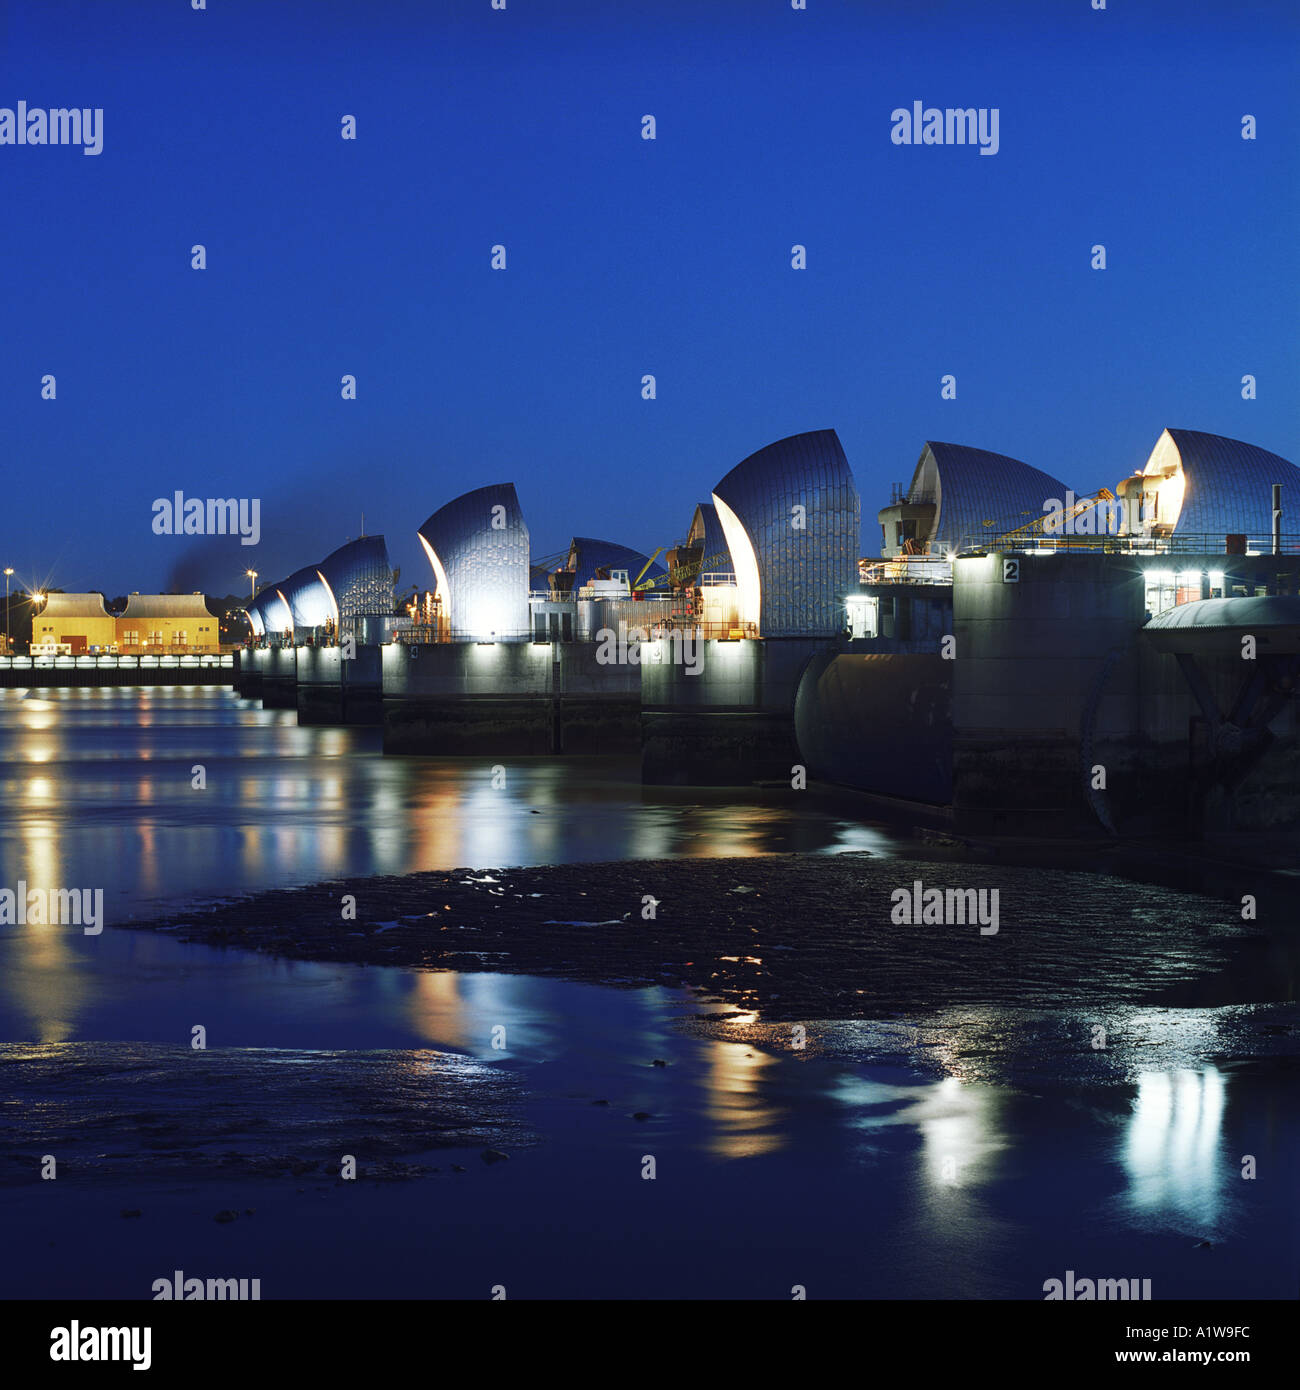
(790, 514)
(961, 497)
(1204, 488)
(153, 623)
(478, 547)
(79, 622)
(348, 594)
(587, 555)
(270, 615)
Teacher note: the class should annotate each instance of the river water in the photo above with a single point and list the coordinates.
(841, 1168)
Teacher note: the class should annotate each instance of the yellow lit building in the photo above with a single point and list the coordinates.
(155, 624)
(79, 622)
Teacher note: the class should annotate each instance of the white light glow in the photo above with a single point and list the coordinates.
(288, 612)
(748, 587)
(334, 603)
(440, 584)
(1165, 468)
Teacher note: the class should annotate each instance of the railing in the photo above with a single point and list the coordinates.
(666, 625)
(728, 632)
(152, 651)
(909, 569)
(1181, 543)
(185, 660)
(646, 596)
(708, 631)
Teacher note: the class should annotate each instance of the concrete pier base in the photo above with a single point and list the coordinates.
(721, 748)
(279, 678)
(1067, 722)
(248, 674)
(879, 720)
(334, 690)
(729, 724)
(507, 699)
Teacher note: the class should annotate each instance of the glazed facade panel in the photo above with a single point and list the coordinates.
(978, 494)
(309, 601)
(706, 531)
(587, 555)
(478, 547)
(360, 579)
(269, 612)
(1228, 488)
(803, 571)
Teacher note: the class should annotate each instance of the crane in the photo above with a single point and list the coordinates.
(679, 574)
(1038, 526)
(646, 566)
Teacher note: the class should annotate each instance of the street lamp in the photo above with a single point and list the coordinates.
(252, 584)
(8, 638)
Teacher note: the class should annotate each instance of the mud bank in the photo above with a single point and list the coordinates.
(792, 936)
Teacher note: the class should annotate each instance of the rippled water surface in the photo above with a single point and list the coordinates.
(959, 1152)
(96, 789)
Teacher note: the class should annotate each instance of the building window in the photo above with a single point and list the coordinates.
(863, 613)
(1161, 591)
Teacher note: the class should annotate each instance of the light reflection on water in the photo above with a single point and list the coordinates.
(960, 1189)
(1171, 1151)
(113, 804)
(961, 1144)
(744, 1117)
(1153, 1166)
(96, 791)
(957, 1125)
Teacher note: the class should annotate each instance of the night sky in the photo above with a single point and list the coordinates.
(625, 257)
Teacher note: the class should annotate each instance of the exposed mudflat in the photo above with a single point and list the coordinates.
(787, 936)
(124, 1110)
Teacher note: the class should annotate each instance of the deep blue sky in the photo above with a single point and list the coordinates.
(625, 257)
